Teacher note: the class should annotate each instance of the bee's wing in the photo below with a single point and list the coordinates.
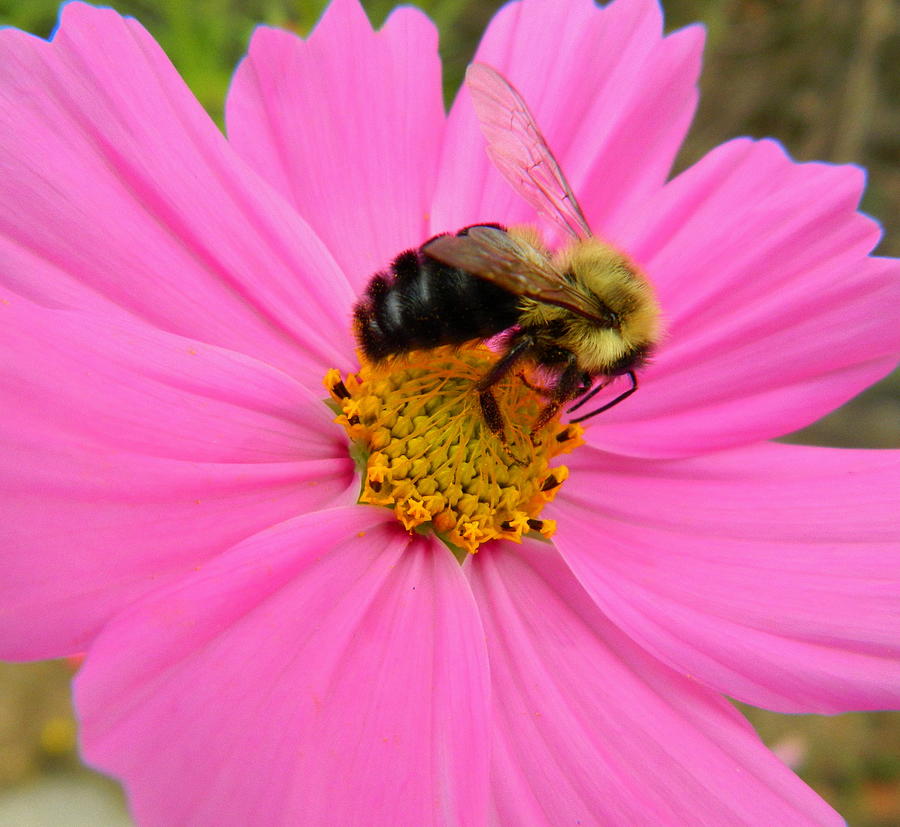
(500, 258)
(518, 149)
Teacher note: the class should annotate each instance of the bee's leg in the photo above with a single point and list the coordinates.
(570, 380)
(615, 401)
(584, 386)
(535, 388)
(490, 410)
(585, 396)
(520, 345)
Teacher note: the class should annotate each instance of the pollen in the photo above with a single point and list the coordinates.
(425, 451)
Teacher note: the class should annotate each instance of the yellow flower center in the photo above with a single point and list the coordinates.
(426, 452)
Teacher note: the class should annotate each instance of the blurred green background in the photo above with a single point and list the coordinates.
(820, 75)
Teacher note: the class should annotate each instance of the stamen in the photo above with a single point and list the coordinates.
(426, 452)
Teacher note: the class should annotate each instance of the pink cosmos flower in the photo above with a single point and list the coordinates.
(179, 504)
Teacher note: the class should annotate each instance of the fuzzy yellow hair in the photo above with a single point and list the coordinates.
(604, 276)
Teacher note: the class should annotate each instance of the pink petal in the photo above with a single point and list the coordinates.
(589, 729)
(132, 455)
(775, 315)
(612, 96)
(347, 125)
(119, 193)
(770, 573)
(328, 671)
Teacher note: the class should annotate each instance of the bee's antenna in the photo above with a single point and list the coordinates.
(608, 405)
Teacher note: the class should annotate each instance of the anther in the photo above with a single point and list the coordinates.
(550, 482)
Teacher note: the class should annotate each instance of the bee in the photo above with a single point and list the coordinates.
(582, 314)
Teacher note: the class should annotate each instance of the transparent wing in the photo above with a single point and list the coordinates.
(502, 259)
(519, 150)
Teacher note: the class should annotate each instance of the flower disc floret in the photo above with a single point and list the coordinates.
(426, 452)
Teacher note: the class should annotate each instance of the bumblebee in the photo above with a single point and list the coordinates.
(581, 314)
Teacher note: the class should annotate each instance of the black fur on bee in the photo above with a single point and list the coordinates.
(420, 303)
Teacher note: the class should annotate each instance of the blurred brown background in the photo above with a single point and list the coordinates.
(820, 75)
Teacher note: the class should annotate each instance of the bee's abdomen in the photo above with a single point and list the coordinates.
(421, 303)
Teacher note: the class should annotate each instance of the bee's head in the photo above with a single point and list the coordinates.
(624, 298)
